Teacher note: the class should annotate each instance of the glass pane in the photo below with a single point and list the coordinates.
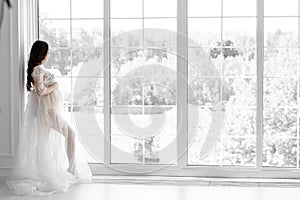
(200, 121)
(127, 62)
(158, 69)
(204, 61)
(65, 86)
(280, 122)
(59, 62)
(239, 8)
(126, 9)
(126, 32)
(50, 9)
(209, 8)
(198, 153)
(239, 122)
(280, 92)
(87, 9)
(125, 149)
(281, 31)
(239, 61)
(161, 149)
(87, 92)
(222, 137)
(93, 145)
(161, 91)
(238, 151)
(240, 31)
(87, 33)
(89, 123)
(143, 135)
(280, 152)
(126, 91)
(126, 120)
(55, 32)
(165, 58)
(281, 61)
(150, 134)
(166, 117)
(281, 8)
(160, 32)
(158, 8)
(203, 91)
(159, 85)
(204, 31)
(152, 128)
(239, 91)
(87, 62)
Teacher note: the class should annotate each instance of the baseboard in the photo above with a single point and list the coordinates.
(184, 181)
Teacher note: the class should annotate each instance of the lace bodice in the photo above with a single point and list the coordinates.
(42, 78)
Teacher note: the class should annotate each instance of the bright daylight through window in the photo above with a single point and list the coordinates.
(225, 99)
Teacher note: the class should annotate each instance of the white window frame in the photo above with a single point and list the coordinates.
(182, 168)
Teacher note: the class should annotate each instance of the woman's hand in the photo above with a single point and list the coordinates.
(38, 93)
(56, 85)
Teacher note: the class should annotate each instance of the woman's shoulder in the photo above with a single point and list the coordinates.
(39, 68)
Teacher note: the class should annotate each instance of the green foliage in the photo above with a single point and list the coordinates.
(157, 85)
(226, 51)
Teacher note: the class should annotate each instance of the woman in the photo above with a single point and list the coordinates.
(50, 156)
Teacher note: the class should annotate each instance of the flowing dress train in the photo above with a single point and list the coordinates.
(50, 154)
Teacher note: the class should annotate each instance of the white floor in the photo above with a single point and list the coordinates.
(116, 190)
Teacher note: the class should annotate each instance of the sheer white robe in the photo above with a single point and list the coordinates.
(50, 155)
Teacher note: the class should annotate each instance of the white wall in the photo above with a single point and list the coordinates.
(10, 73)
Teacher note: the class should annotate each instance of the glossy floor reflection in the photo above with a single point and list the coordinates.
(123, 191)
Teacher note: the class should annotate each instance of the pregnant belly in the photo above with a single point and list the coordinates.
(53, 100)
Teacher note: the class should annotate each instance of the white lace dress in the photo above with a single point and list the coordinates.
(50, 155)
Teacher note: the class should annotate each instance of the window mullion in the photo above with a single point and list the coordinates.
(106, 68)
(182, 86)
(298, 86)
(259, 96)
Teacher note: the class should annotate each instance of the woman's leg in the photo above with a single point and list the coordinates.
(70, 143)
(61, 126)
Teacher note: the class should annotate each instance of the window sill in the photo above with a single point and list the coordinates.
(197, 181)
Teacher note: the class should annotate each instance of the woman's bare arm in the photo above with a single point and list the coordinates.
(49, 90)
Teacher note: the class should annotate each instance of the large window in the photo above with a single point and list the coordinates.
(180, 84)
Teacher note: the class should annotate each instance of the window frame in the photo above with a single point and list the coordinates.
(182, 168)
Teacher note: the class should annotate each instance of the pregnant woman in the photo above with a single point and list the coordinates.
(50, 156)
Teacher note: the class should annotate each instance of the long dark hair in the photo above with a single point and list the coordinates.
(38, 52)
